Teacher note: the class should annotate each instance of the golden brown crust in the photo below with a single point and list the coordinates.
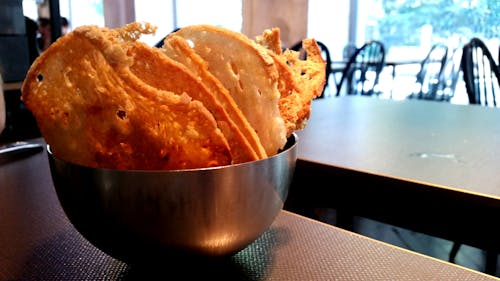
(287, 82)
(178, 49)
(154, 68)
(248, 72)
(157, 70)
(92, 111)
(300, 80)
(312, 78)
(271, 40)
(102, 98)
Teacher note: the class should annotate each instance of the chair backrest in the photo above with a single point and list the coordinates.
(431, 67)
(449, 76)
(362, 71)
(481, 74)
(326, 55)
(328, 59)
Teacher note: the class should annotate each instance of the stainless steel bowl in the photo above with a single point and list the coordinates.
(211, 212)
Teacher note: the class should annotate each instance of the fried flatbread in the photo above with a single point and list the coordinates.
(209, 97)
(157, 70)
(311, 76)
(300, 80)
(89, 112)
(248, 72)
(178, 49)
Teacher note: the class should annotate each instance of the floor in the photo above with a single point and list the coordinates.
(467, 256)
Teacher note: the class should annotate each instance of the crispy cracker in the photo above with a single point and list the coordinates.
(157, 70)
(178, 49)
(248, 72)
(300, 80)
(101, 98)
(90, 113)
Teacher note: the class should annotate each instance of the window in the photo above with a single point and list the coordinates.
(328, 22)
(225, 13)
(407, 27)
(157, 12)
(168, 15)
(417, 25)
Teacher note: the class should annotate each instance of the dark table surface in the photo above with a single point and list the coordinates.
(424, 165)
(37, 242)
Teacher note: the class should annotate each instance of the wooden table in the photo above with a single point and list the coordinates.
(37, 242)
(426, 166)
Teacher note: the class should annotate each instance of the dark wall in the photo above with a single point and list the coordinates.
(14, 54)
(17, 34)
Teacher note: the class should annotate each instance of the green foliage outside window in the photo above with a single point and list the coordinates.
(403, 21)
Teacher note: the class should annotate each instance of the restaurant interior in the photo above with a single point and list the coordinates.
(432, 52)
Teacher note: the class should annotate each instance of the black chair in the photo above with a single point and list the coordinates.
(431, 68)
(160, 43)
(449, 76)
(481, 74)
(362, 71)
(326, 55)
(482, 82)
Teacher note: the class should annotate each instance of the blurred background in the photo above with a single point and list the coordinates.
(405, 27)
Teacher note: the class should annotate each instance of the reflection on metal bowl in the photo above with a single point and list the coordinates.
(211, 212)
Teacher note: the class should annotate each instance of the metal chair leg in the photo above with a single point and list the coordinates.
(454, 251)
(491, 262)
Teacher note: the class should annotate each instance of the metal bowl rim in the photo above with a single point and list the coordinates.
(291, 145)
